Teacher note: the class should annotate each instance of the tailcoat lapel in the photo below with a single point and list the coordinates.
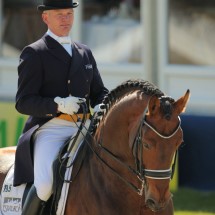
(77, 60)
(56, 49)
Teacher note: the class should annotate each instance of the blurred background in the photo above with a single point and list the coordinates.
(168, 42)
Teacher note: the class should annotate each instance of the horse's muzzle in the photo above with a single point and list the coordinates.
(156, 206)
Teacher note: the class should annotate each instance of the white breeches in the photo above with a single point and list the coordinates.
(47, 143)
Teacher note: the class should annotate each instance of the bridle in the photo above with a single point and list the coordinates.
(149, 173)
(161, 135)
(140, 172)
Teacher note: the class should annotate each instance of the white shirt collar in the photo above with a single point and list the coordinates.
(61, 40)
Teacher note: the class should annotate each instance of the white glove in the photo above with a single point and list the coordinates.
(99, 108)
(96, 108)
(69, 105)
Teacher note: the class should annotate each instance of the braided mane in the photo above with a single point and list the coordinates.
(119, 92)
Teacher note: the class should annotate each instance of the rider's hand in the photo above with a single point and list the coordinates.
(96, 108)
(99, 108)
(68, 105)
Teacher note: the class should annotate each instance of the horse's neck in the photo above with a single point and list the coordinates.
(113, 134)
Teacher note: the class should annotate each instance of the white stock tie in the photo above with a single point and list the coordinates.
(64, 40)
(66, 43)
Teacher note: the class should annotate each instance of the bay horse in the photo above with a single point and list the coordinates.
(129, 154)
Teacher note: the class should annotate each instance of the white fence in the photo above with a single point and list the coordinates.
(175, 81)
(8, 78)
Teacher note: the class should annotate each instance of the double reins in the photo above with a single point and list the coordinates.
(70, 143)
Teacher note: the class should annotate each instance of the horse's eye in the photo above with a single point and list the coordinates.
(146, 145)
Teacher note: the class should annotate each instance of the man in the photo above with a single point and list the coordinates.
(55, 76)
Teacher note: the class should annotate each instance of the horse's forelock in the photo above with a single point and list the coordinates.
(166, 106)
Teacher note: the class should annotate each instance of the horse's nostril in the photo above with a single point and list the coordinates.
(154, 205)
(150, 203)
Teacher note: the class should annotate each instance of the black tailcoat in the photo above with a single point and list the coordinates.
(45, 71)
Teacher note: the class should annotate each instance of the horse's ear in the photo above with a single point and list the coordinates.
(180, 104)
(154, 105)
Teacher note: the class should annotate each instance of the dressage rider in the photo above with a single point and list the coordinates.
(55, 75)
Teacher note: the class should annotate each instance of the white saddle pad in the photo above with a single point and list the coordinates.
(11, 197)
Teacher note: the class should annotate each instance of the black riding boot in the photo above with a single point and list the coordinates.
(33, 204)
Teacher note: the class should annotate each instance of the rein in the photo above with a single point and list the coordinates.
(69, 144)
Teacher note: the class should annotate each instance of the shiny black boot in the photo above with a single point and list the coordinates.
(33, 204)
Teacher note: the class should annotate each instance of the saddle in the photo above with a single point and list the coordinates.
(12, 198)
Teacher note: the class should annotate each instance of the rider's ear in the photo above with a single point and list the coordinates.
(181, 103)
(154, 105)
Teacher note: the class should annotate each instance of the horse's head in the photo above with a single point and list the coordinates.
(161, 137)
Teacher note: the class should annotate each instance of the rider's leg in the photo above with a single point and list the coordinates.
(47, 143)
